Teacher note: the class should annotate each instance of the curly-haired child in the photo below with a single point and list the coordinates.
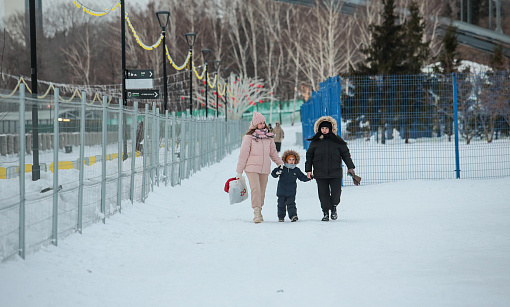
(287, 186)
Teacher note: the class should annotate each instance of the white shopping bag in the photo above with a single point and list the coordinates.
(238, 191)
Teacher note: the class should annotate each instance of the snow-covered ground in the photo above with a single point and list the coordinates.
(407, 243)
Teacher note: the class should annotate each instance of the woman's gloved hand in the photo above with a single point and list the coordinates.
(355, 178)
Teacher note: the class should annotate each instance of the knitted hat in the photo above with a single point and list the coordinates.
(326, 124)
(257, 119)
(330, 119)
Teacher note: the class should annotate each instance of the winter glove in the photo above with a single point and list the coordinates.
(355, 179)
(239, 175)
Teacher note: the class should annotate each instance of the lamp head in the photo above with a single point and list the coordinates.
(217, 64)
(190, 39)
(163, 17)
(225, 72)
(206, 53)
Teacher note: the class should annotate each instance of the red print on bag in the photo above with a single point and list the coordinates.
(243, 192)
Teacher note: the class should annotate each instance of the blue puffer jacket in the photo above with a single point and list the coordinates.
(287, 185)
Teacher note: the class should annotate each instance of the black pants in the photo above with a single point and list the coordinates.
(329, 190)
(278, 146)
(289, 203)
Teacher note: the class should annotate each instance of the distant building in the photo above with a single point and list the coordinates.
(301, 2)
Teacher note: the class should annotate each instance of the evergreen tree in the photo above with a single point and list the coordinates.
(449, 59)
(416, 51)
(497, 62)
(385, 53)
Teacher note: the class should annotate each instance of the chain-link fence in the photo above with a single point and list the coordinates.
(429, 126)
(93, 158)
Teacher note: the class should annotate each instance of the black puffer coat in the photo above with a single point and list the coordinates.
(326, 152)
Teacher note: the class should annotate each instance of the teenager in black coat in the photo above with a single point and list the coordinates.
(324, 157)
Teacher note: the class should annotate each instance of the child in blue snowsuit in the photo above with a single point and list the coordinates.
(287, 185)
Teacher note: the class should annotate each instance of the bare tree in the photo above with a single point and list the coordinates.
(271, 53)
(79, 56)
(237, 37)
(242, 92)
(293, 37)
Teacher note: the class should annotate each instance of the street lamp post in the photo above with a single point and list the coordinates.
(163, 17)
(190, 39)
(36, 168)
(217, 64)
(225, 72)
(206, 53)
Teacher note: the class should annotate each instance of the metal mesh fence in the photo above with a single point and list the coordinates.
(93, 158)
(420, 126)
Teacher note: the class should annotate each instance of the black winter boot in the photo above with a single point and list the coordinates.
(334, 215)
(326, 217)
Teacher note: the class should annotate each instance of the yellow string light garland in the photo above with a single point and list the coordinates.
(52, 87)
(172, 61)
(209, 81)
(139, 41)
(96, 13)
(200, 77)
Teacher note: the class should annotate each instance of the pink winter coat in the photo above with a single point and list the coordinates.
(256, 155)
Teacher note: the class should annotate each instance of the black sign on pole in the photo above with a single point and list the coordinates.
(140, 74)
(142, 94)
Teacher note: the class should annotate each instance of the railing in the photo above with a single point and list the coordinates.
(112, 154)
(429, 126)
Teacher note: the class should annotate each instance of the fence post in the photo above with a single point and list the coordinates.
(55, 168)
(134, 123)
(165, 170)
(172, 170)
(183, 147)
(82, 161)
(456, 122)
(155, 150)
(191, 147)
(120, 156)
(339, 95)
(22, 247)
(157, 135)
(152, 145)
(145, 143)
(103, 160)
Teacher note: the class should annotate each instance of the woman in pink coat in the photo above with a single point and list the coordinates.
(257, 151)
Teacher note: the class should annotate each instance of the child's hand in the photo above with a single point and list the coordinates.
(278, 172)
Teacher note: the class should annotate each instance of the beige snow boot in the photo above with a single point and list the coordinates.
(257, 212)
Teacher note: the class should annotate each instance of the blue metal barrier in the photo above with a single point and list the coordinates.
(429, 126)
(325, 101)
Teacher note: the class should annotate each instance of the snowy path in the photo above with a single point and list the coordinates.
(412, 243)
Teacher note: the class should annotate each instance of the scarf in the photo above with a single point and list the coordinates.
(289, 166)
(262, 134)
